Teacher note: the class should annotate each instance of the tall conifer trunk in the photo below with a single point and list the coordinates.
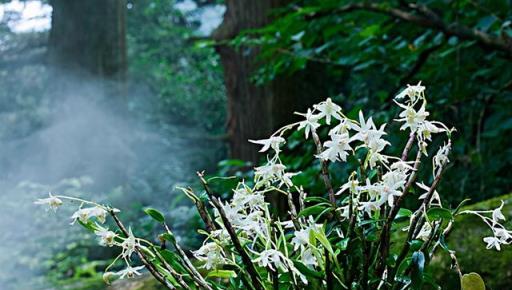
(89, 36)
(254, 111)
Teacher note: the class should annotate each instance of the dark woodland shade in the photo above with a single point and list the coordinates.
(89, 36)
(255, 111)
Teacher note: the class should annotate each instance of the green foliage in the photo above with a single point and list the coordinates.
(368, 56)
(186, 77)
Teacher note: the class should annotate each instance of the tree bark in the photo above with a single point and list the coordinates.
(89, 37)
(254, 112)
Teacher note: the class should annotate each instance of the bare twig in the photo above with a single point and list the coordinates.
(203, 211)
(325, 170)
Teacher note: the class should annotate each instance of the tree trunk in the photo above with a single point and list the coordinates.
(89, 37)
(254, 112)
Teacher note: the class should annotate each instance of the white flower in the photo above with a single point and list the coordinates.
(402, 166)
(106, 237)
(286, 179)
(376, 144)
(272, 259)
(493, 242)
(269, 172)
(52, 201)
(308, 258)
(375, 157)
(273, 142)
(129, 245)
(337, 148)
(502, 234)
(231, 212)
(436, 199)
(343, 127)
(129, 272)
(427, 128)
(497, 215)
(352, 184)
(413, 92)
(253, 224)
(310, 124)
(441, 157)
(242, 197)
(328, 109)
(301, 237)
(287, 224)
(211, 253)
(425, 232)
(413, 119)
(365, 129)
(84, 214)
(390, 187)
(369, 206)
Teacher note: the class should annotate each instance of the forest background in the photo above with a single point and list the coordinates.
(125, 100)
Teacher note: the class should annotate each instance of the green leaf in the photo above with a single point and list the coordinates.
(472, 281)
(418, 265)
(307, 271)
(316, 199)
(438, 213)
(226, 274)
(403, 213)
(416, 244)
(343, 244)
(443, 244)
(313, 210)
(461, 204)
(320, 236)
(155, 214)
(174, 260)
(88, 225)
(168, 237)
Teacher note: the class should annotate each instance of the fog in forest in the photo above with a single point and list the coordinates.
(75, 134)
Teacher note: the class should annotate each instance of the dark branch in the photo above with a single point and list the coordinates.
(143, 258)
(435, 22)
(232, 234)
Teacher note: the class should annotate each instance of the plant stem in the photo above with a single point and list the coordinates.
(385, 235)
(325, 170)
(188, 264)
(168, 267)
(417, 216)
(232, 234)
(143, 258)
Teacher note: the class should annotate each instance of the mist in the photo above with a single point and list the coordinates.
(85, 144)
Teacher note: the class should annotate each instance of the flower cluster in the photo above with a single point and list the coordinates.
(328, 240)
(106, 237)
(494, 219)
